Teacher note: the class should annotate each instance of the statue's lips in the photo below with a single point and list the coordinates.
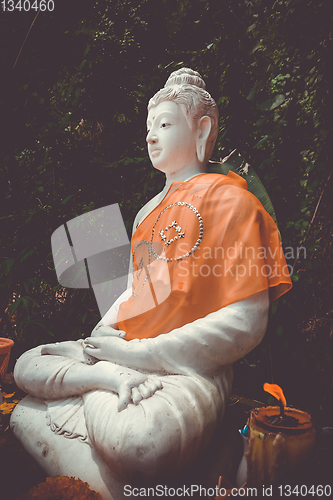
(155, 152)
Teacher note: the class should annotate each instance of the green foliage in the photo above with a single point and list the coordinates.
(237, 164)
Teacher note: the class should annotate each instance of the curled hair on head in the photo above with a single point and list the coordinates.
(187, 89)
(185, 75)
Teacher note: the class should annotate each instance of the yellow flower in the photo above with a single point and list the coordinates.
(7, 408)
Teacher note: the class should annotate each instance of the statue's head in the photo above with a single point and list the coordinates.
(186, 89)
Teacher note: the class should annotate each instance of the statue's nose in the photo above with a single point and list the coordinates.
(151, 138)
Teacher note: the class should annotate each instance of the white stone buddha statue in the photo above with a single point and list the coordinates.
(142, 397)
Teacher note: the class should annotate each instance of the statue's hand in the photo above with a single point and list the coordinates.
(132, 386)
(135, 386)
(105, 331)
(109, 348)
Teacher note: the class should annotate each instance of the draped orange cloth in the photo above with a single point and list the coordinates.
(208, 244)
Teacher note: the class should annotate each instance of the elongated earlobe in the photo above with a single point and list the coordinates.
(201, 152)
(204, 128)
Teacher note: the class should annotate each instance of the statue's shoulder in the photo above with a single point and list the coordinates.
(231, 188)
(224, 183)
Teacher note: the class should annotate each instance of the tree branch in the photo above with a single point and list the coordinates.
(26, 38)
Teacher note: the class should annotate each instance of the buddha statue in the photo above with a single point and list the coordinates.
(142, 397)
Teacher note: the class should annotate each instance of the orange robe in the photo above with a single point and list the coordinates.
(208, 244)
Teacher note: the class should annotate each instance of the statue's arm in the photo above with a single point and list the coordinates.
(52, 376)
(202, 346)
(219, 339)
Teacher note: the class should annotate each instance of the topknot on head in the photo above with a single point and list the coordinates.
(185, 76)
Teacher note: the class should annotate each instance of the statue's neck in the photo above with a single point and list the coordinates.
(184, 175)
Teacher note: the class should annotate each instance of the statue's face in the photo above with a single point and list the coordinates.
(171, 141)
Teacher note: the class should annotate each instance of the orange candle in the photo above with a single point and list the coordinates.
(280, 441)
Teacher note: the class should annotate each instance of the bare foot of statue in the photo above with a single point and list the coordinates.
(70, 348)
